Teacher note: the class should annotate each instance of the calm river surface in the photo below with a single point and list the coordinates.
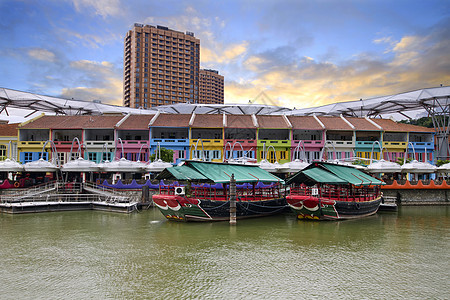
(99, 255)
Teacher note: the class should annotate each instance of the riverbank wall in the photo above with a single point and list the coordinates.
(418, 193)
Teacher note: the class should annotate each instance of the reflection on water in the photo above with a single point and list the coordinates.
(98, 255)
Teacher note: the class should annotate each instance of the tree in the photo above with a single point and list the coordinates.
(401, 160)
(441, 162)
(425, 121)
(166, 155)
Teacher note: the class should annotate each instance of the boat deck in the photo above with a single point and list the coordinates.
(247, 195)
(59, 196)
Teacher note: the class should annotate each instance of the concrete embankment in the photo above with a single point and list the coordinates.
(418, 193)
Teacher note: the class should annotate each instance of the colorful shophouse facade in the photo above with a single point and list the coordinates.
(206, 137)
(308, 135)
(32, 135)
(274, 138)
(240, 137)
(171, 132)
(368, 138)
(132, 137)
(339, 138)
(217, 137)
(8, 141)
(95, 134)
(400, 139)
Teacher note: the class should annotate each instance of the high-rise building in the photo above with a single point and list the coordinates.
(161, 66)
(211, 87)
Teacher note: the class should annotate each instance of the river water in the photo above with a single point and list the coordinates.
(100, 255)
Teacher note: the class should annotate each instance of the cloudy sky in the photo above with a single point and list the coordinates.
(297, 53)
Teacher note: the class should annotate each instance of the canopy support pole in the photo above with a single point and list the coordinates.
(232, 200)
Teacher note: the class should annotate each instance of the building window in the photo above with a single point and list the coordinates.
(197, 154)
(107, 156)
(420, 157)
(92, 156)
(28, 156)
(216, 154)
(207, 155)
(3, 152)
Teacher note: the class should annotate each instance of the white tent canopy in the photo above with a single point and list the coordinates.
(431, 97)
(42, 103)
(418, 99)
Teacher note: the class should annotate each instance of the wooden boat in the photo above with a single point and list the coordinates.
(205, 196)
(327, 191)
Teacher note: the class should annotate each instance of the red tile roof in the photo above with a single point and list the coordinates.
(136, 122)
(362, 124)
(172, 120)
(208, 121)
(271, 122)
(101, 121)
(390, 125)
(240, 121)
(73, 122)
(42, 122)
(8, 129)
(304, 122)
(334, 123)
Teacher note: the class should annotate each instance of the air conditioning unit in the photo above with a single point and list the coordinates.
(179, 190)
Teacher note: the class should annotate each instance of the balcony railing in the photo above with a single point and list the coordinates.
(423, 145)
(31, 144)
(342, 144)
(308, 143)
(274, 142)
(169, 141)
(99, 144)
(244, 143)
(209, 142)
(395, 144)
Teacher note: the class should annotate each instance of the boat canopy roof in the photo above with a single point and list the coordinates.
(329, 173)
(182, 173)
(217, 172)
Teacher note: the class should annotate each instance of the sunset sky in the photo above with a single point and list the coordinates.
(299, 53)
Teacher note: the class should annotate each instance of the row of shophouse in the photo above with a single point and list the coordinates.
(214, 137)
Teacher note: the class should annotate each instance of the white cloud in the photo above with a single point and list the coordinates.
(416, 62)
(90, 40)
(42, 54)
(104, 8)
(223, 54)
(99, 81)
(409, 42)
(204, 28)
(103, 67)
